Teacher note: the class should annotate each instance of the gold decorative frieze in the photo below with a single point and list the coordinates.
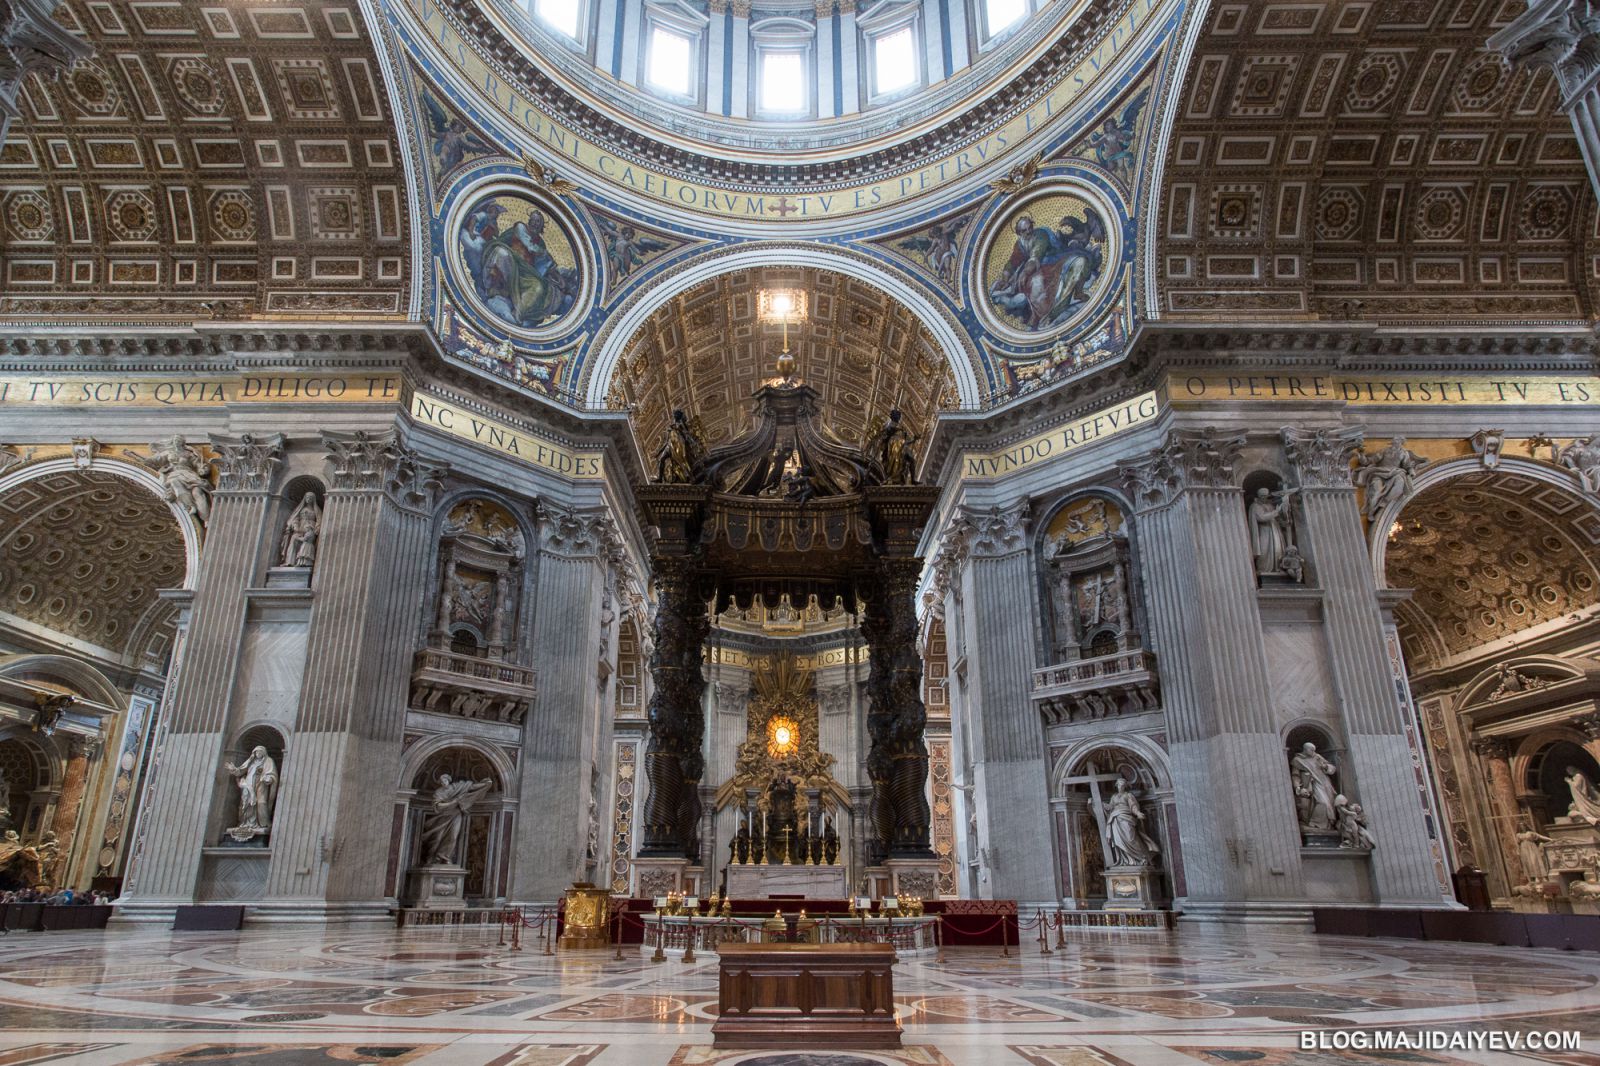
(1390, 390)
(194, 390)
(451, 418)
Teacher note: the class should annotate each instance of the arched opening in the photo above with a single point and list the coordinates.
(708, 349)
(85, 555)
(1113, 812)
(1500, 632)
(480, 841)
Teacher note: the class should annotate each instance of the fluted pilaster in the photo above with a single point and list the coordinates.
(178, 804)
(1240, 844)
(564, 736)
(986, 555)
(329, 840)
(1378, 768)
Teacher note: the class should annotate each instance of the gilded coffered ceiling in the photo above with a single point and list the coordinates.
(1361, 160)
(209, 161)
(84, 554)
(1490, 555)
(707, 353)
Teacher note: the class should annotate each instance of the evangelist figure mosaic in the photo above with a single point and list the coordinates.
(519, 261)
(1047, 263)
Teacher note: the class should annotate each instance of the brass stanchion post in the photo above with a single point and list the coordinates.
(1044, 936)
(1005, 938)
(938, 936)
(688, 947)
(618, 956)
(661, 952)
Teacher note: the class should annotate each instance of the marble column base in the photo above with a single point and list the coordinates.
(440, 887)
(913, 877)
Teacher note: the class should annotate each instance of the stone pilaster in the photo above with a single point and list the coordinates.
(1496, 755)
(986, 555)
(1379, 767)
(565, 733)
(1564, 36)
(177, 805)
(330, 836)
(1240, 844)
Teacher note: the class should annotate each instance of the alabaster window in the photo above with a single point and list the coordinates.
(783, 81)
(996, 18)
(565, 17)
(674, 46)
(669, 63)
(785, 59)
(892, 42)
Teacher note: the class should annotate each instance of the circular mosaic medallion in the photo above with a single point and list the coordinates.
(517, 261)
(1047, 262)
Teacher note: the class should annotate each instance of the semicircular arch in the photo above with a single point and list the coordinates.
(950, 340)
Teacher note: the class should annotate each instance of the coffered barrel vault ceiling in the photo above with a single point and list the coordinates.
(1360, 160)
(707, 353)
(84, 554)
(1490, 555)
(209, 161)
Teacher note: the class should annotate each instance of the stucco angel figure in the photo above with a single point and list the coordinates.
(184, 475)
(1130, 845)
(1387, 475)
(300, 533)
(1582, 457)
(257, 781)
(441, 829)
(1314, 793)
(1585, 798)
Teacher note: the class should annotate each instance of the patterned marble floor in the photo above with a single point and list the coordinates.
(434, 997)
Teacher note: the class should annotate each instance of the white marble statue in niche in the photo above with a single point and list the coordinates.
(1272, 540)
(441, 829)
(1314, 792)
(257, 781)
(1128, 843)
(300, 533)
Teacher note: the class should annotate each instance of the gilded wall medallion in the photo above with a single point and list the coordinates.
(517, 257)
(1047, 263)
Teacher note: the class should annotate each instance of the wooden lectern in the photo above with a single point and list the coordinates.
(811, 995)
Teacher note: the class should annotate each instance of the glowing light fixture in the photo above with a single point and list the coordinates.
(785, 306)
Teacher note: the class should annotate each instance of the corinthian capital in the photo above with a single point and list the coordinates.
(997, 532)
(1563, 35)
(1322, 456)
(574, 533)
(361, 461)
(1202, 458)
(246, 463)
